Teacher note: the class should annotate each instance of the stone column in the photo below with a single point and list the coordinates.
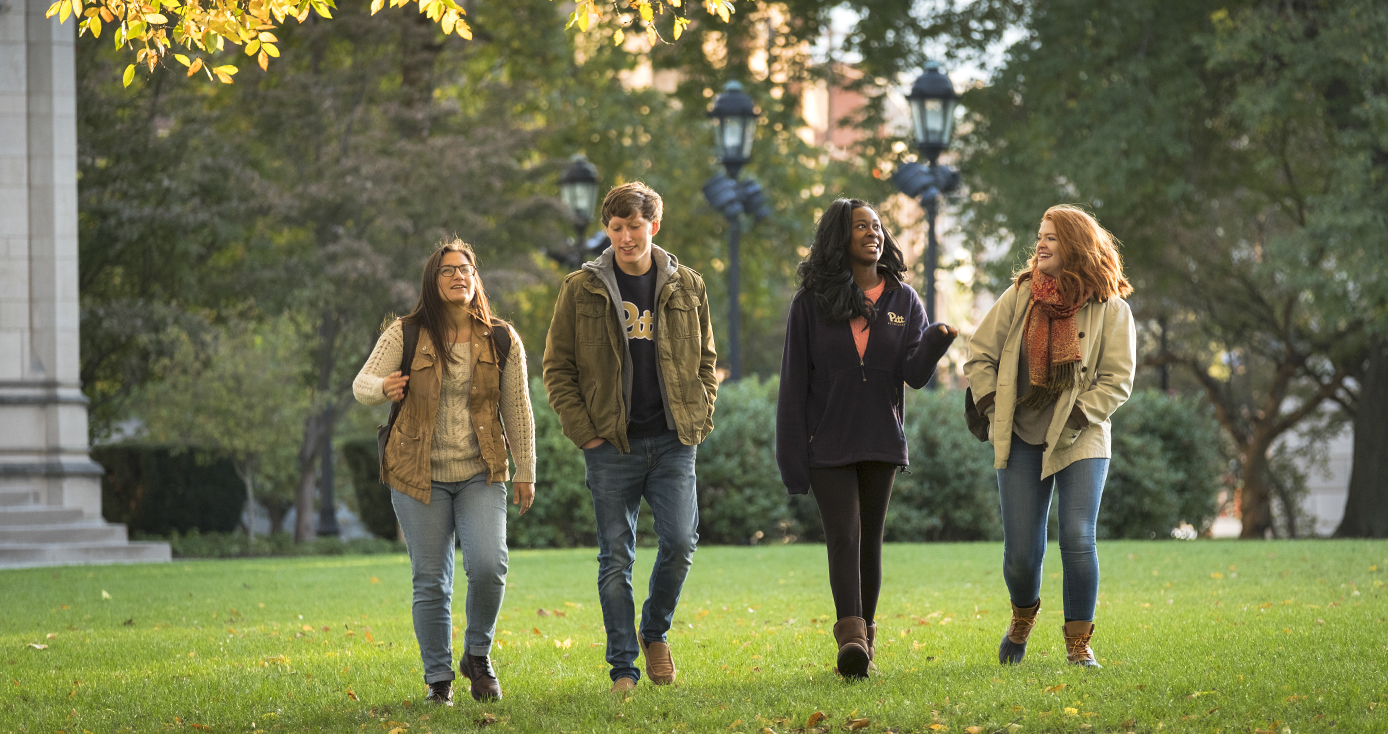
(50, 489)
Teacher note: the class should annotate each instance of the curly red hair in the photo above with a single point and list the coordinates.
(1089, 254)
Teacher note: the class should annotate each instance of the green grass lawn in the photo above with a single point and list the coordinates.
(1204, 636)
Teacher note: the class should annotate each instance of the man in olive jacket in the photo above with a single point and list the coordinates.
(629, 368)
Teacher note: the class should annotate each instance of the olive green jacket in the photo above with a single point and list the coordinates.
(1108, 356)
(588, 367)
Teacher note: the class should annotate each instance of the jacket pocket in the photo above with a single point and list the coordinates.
(591, 321)
(682, 315)
(1068, 437)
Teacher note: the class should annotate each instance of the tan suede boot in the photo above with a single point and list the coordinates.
(851, 635)
(1014, 644)
(1077, 650)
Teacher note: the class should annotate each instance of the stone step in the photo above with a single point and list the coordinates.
(13, 497)
(26, 555)
(68, 532)
(38, 515)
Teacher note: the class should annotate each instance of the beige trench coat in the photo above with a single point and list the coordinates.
(1108, 356)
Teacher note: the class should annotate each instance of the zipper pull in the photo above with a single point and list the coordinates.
(863, 368)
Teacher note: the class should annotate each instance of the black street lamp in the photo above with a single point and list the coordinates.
(932, 100)
(735, 127)
(578, 187)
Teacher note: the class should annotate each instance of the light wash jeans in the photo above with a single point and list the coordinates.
(1026, 500)
(474, 512)
(660, 469)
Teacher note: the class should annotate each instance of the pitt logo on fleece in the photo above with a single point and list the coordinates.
(898, 320)
(637, 326)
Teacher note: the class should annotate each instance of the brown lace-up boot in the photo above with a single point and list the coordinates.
(1014, 644)
(1077, 650)
(851, 635)
(478, 670)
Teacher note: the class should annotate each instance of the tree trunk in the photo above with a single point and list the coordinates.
(277, 509)
(1366, 508)
(245, 468)
(1255, 501)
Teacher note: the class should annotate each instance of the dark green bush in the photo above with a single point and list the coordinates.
(562, 516)
(951, 490)
(159, 490)
(194, 544)
(741, 498)
(1166, 467)
(373, 498)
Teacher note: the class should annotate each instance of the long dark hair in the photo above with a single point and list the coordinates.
(430, 311)
(826, 273)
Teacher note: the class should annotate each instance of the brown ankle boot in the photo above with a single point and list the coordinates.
(1077, 650)
(872, 641)
(1014, 644)
(851, 635)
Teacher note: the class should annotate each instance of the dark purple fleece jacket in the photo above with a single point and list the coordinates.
(836, 409)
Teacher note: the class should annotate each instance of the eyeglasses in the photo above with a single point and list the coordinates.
(448, 271)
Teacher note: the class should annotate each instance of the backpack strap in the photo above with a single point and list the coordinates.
(501, 343)
(411, 332)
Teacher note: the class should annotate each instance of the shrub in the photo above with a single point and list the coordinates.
(741, 498)
(373, 498)
(194, 544)
(159, 490)
(950, 490)
(562, 516)
(1167, 461)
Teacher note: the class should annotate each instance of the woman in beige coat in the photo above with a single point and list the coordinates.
(1050, 363)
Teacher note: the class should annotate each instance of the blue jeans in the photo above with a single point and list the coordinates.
(660, 469)
(1026, 500)
(474, 512)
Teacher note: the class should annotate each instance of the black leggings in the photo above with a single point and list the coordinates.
(853, 508)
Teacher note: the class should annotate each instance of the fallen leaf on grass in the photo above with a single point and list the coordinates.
(536, 630)
(542, 612)
(856, 724)
(1054, 688)
(105, 594)
(129, 622)
(939, 727)
(397, 730)
(767, 730)
(735, 723)
(202, 727)
(486, 720)
(973, 730)
(352, 695)
(375, 580)
(815, 718)
(37, 646)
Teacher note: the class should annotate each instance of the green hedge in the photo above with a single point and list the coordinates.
(159, 490)
(1166, 468)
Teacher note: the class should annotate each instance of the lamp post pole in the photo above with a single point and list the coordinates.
(932, 100)
(735, 122)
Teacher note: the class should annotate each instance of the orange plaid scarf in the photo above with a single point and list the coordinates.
(1053, 344)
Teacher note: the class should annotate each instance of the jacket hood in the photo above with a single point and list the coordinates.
(605, 263)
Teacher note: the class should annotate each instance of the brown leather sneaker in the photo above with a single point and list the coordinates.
(851, 635)
(1077, 650)
(660, 667)
(440, 693)
(485, 686)
(623, 685)
(1014, 644)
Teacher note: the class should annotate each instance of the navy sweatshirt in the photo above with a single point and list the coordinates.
(836, 409)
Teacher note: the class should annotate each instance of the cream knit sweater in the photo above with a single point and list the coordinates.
(455, 455)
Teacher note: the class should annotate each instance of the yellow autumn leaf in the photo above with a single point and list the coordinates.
(270, 48)
(1070, 711)
(376, 6)
(938, 727)
(195, 67)
(53, 9)
(64, 11)
(815, 718)
(128, 76)
(583, 20)
(252, 47)
(464, 29)
(857, 724)
(647, 12)
(180, 58)
(267, 37)
(264, 61)
(618, 37)
(973, 730)
(449, 19)
(680, 23)
(651, 37)
(375, 580)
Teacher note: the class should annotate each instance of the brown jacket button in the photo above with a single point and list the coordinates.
(1084, 369)
(1081, 334)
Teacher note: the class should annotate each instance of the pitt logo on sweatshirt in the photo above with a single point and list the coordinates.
(898, 320)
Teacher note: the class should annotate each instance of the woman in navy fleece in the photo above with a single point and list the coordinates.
(854, 335)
